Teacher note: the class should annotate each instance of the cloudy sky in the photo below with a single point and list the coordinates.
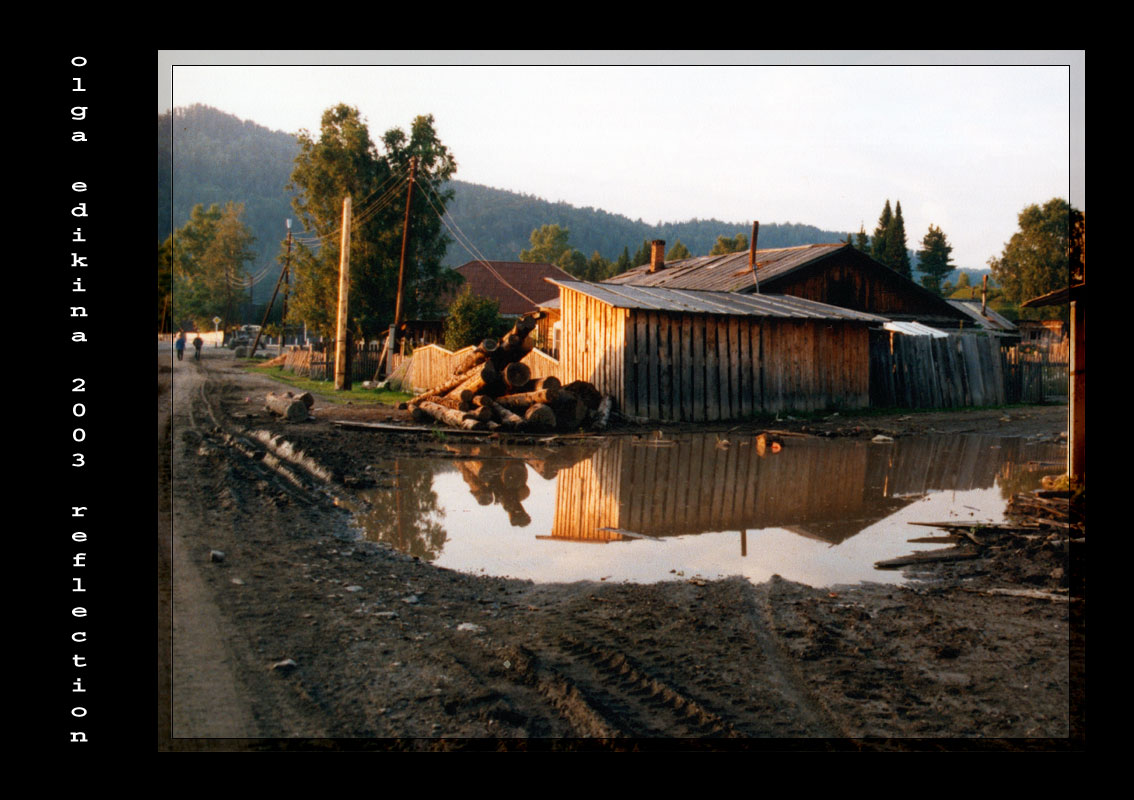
(963, 139)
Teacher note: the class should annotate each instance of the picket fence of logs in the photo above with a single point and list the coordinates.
(492, 388)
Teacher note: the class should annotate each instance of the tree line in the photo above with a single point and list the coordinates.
(203, 264)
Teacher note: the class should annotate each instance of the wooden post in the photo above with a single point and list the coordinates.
(752, 255)
(342, 375)
(1077, 446)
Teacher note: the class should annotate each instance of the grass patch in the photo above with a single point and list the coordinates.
(325, 390)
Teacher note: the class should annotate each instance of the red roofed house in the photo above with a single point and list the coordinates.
(518, 286)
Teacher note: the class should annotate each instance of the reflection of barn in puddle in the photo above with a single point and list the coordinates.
(828, 490)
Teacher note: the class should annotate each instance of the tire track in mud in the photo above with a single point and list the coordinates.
(602, 692)
(781, 673)
(270, 456)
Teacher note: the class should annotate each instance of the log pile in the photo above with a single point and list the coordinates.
(492, 389)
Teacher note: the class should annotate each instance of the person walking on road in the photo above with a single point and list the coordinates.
(179, 345)
(197, 342)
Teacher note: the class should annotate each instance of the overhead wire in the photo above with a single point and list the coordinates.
(465, 242)
(387, 191)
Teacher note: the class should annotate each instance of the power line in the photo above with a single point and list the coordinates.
(462, 238)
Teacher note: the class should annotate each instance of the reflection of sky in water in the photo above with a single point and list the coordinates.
(480, 539)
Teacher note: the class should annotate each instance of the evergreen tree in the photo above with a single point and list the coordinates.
(934, 258)
(878, 240)
(897, 257)
(598, 268)
(678, 252)
(344, 161)
(643, 255)
(862, 241)
(623, 262)
(573, 262)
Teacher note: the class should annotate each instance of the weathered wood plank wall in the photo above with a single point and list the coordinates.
(708, 367)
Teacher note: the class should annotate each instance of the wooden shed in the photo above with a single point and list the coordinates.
(701, 356)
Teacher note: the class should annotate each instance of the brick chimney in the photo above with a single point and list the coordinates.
(657, 255)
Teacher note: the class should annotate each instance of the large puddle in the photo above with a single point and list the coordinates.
(644, 509)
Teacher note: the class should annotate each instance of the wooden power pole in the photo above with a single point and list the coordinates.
(342, 374)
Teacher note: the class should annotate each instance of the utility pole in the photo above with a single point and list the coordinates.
(388, 351)
(342, 375)
(286, 288)
(271, 302)
(405, 240)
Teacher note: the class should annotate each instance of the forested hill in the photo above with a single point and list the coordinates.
(500, 224)
(218, 158)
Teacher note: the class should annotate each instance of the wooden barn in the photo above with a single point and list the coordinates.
(701, 356)
(837, 274)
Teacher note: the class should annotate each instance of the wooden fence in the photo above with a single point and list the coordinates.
(429, 364)
(929, 372)
(433, 364)
(1036, 376)
(957, 371)
(317, 363)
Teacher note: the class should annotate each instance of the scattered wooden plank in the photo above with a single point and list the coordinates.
(632, 534)
(926, 558)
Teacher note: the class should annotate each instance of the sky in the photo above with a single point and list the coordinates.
(964, 140)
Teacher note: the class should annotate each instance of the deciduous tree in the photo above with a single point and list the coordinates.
(208, 255)
(549, 243)
(726, 244)
(344, 161)
(472, 319)
(678, 252)
(1035, 260)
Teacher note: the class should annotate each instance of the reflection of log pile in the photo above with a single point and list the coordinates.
(495, 475)
(492, 389)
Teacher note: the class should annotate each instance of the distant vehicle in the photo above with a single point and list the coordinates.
(243, 337)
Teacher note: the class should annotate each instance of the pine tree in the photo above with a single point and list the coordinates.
(878, 240)
(643, 255)
(623, 262)
(897, 257)
(862, 241)
(934, 258)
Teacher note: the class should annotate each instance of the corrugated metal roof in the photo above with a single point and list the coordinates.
(915, 329)
(726, 273)
(692, 301)
(990, 319)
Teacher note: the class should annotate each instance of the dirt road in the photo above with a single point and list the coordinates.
(289, 633)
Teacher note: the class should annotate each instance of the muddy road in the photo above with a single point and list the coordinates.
(280, 629)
